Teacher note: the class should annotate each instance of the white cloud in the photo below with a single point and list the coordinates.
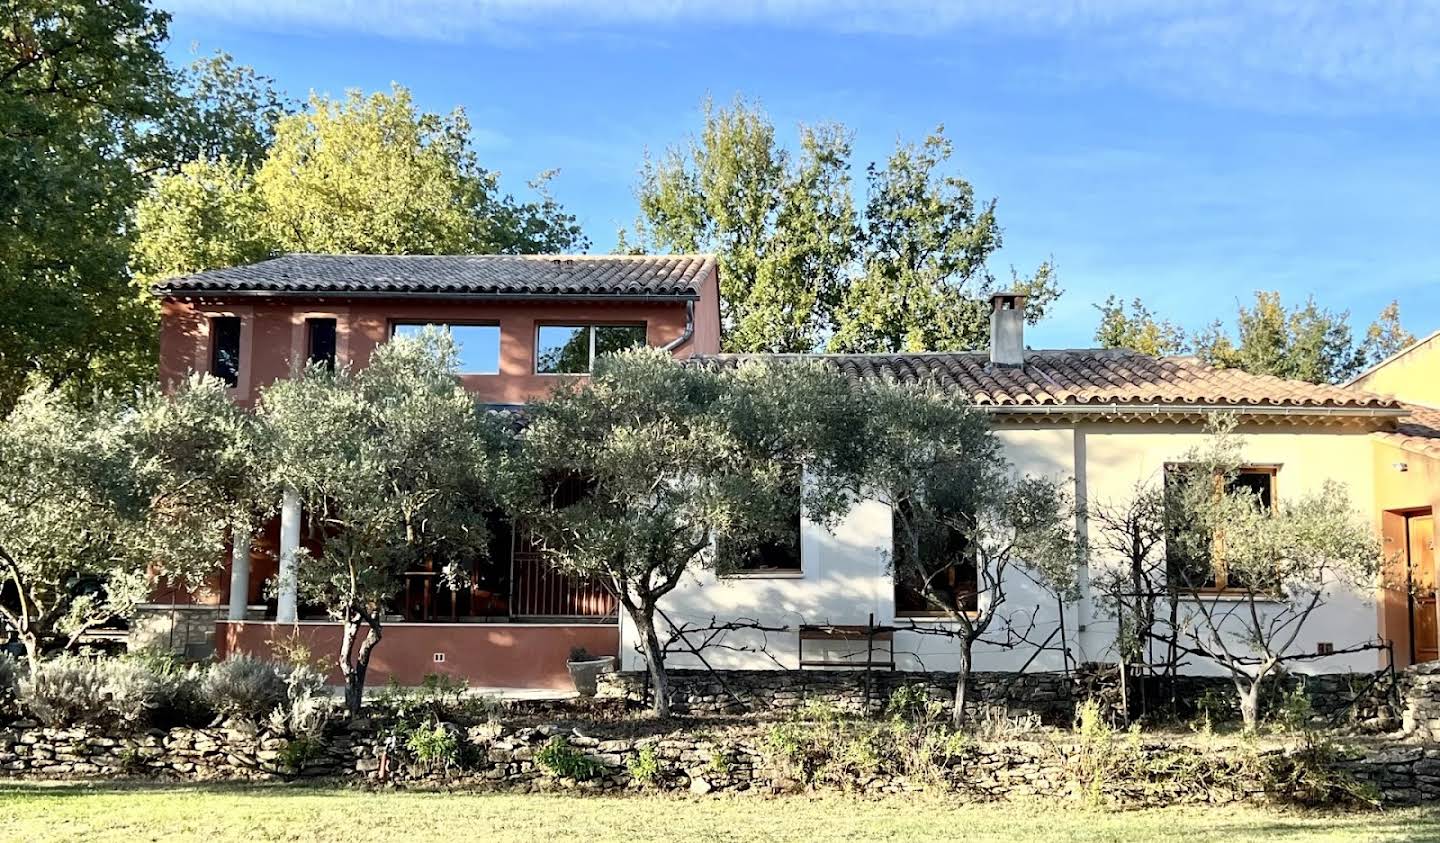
(1292, 54)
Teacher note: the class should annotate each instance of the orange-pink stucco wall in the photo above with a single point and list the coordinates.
(272, 333)
(483, 655)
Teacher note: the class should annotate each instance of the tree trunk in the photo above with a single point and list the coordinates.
(32, 649)
(1249, 703)
(962, 683)
(644, 618)
(355, 669)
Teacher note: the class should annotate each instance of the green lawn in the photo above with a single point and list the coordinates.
(95, 813)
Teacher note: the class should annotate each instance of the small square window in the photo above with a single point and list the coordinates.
(225, 349)
(478, 346)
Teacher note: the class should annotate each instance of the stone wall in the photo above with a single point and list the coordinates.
(727, 759)
(1420, 692)
(1051, 696)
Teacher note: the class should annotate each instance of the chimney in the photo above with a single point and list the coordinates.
(1007, 329)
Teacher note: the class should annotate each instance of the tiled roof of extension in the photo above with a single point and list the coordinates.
(621, 276)
(1095, 377)
(1418, 433)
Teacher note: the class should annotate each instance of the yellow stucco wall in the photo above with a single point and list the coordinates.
(1413, 375)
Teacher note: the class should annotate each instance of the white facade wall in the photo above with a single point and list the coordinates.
(844, 579)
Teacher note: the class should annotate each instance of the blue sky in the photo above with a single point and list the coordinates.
(1187, 153)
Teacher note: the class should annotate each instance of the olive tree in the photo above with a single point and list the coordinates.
(966, 526)
(394, 464)
(98, 501)
(1282, 562)
(643, 471)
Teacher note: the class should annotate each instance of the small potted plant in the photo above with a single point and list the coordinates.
(585, 670)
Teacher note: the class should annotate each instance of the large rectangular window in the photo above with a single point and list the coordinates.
(320, 339)
(1191, 559)
(572, 349)
(934, 565)
(477, 345)
(225, 348)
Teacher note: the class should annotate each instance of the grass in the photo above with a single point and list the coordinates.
(136, 812)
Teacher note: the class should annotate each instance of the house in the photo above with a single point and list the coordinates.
(522, 324)
(1109, 420)
(1105, 420)
(1407, 494)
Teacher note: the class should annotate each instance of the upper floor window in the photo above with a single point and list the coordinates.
(478, 346)
(225, 348)
(1193, 562)
(572, 349)
(320, 341)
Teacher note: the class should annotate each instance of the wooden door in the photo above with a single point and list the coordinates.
(1420, 544)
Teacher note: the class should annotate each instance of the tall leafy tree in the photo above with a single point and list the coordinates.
(1306, 342)
(206, 216)
(925, 281)
(395, 464)
(374, 174)
(800, 266)
(78, 83)
(784, 227)
(1386, 336)
(1138, 329)
(214, 109)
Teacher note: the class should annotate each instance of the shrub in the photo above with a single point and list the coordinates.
(644, 766)
(307, 708)
(243, 686)
(1310, 776)
(435, 748)
(66, 691)
(562, 760)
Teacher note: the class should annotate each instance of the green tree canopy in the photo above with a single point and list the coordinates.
(1137, 329)
(78, 84)
(208, 215)
(1306, 342)
(800, 266)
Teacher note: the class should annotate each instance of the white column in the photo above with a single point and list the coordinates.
(239, 572)
(286, 606)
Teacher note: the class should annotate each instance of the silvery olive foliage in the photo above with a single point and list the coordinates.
(99, 499)
(958, 504)
(672, 461)
(1282, 562)
(395, 464)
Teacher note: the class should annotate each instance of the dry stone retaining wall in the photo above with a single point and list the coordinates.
(732, 759)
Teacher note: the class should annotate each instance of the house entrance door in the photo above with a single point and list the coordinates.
(1420, 565)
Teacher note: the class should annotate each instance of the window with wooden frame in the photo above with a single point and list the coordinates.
(946, 564)
(1200, 566)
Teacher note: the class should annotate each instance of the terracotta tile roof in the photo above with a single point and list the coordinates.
(1418, 432)
(1090, 377)
(658, 276)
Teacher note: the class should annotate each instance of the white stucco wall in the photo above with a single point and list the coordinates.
(844, 579)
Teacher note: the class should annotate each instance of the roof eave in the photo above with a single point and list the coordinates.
(173, 293)
(1123, 409)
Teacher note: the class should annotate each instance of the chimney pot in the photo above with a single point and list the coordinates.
(1007, 329)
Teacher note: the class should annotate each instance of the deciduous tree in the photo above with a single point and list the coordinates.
(1138, 329)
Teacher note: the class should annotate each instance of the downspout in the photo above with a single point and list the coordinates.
(689, 331)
